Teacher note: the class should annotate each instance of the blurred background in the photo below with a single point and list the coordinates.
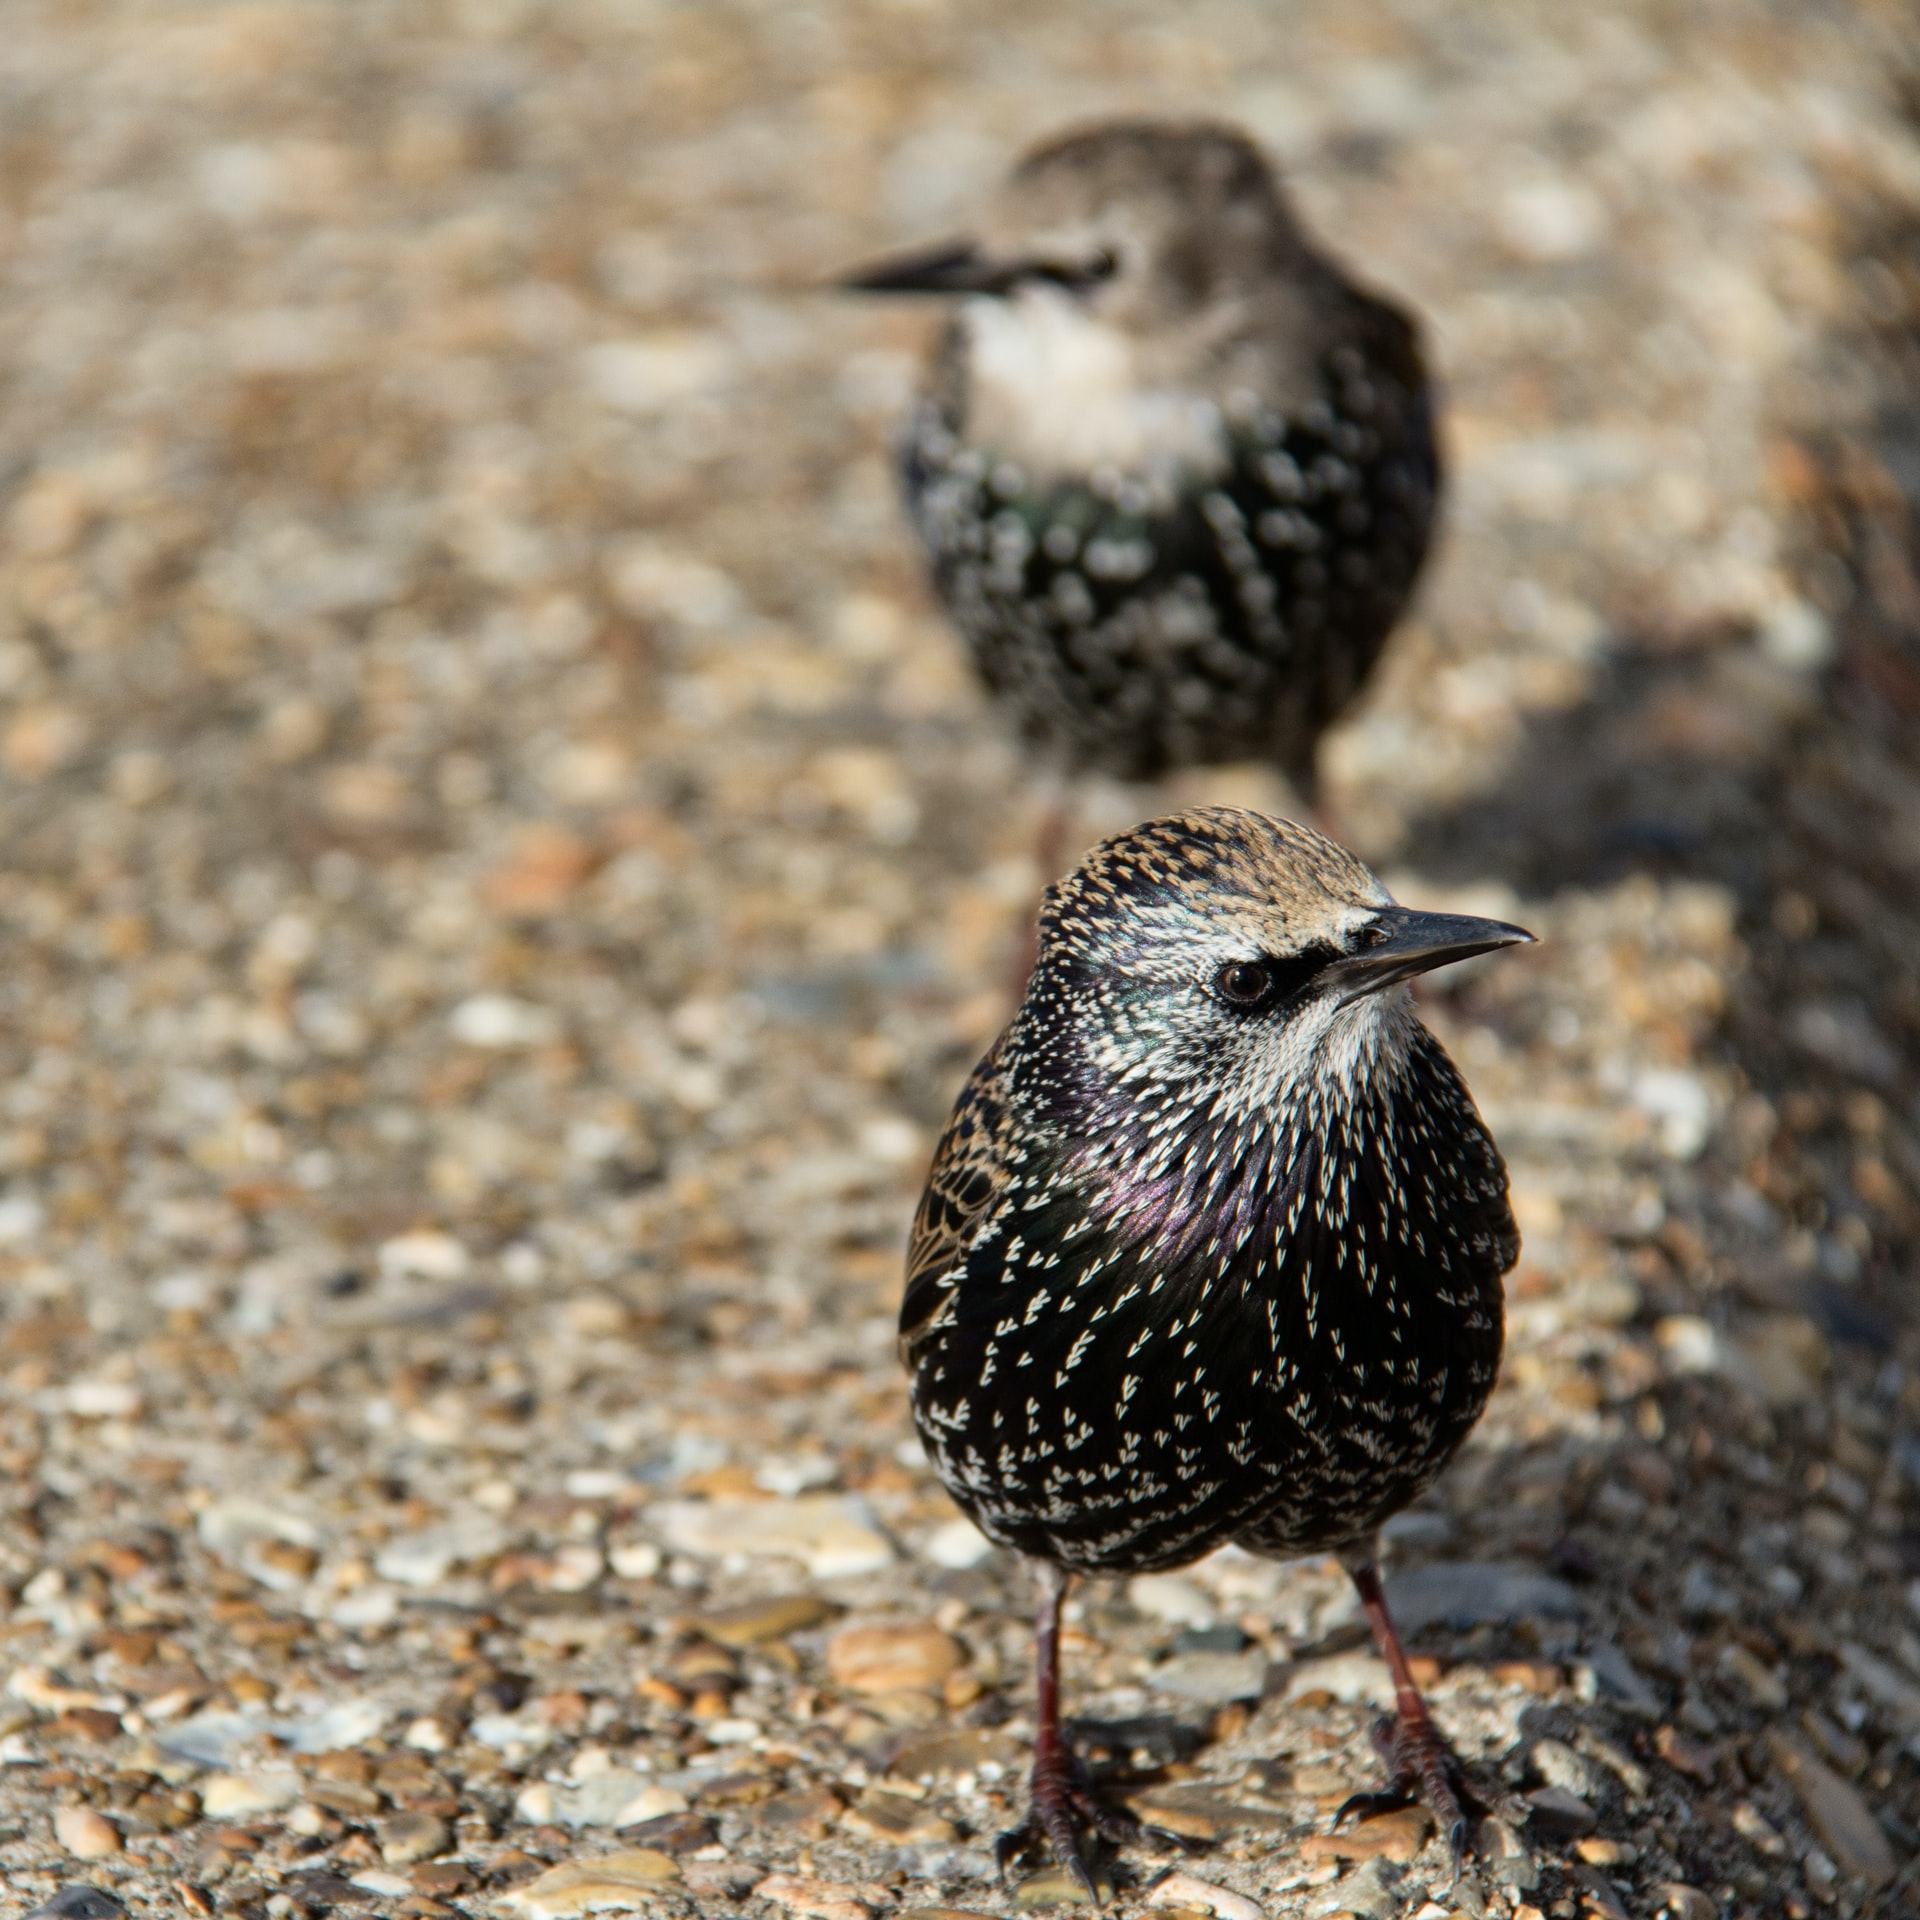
(505, 870)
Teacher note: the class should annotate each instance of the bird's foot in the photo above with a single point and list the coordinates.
(1421, 1765)
(1061, 1805)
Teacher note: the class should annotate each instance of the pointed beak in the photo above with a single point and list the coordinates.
(957, 266)
(1406, 943)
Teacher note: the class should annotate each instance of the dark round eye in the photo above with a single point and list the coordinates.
(1099, 265)
(1243, 983)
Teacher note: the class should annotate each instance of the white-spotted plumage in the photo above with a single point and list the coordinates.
(1175, 469)
(1254, 1257)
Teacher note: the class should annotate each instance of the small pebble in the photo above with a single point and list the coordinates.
(1843, 1820)
(78, 1903)
(892, 1817)
(820, 1899)
(1398, 1835)
(1685, 1756)
(409, 1837)
(229, 1796)
(893, 1659)
(1188, 1890)
(1598, 1851)
(1055, 1887)
(753, 1621)
(1685, 1902)
(614, 1881)
(1560, 1815)
(1559, 1766)
(86, 1834)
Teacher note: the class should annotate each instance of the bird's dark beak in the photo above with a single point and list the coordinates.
(1405, 943)
(957, 266)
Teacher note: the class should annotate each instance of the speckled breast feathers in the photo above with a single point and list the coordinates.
(1212, 1247)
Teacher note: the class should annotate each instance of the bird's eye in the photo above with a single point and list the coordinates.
(1243, 983)
(1087, 270)
(1253, 986)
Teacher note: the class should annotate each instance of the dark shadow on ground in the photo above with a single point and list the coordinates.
(1784, 769)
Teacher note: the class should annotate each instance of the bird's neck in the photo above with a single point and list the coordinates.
(1064, 395)
(1169, 1151)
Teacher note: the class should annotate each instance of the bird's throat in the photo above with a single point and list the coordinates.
(1060, 394)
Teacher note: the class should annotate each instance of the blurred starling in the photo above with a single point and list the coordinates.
(1212, 1248)
(1175, 470)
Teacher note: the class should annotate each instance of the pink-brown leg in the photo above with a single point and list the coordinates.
(1420, 1762)
(1061, 1801)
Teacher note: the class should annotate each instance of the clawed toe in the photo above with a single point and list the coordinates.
(1034, 1833)
(1363, 1806)
(1421, 1766)
(1060, 1810)
(1171, 1842)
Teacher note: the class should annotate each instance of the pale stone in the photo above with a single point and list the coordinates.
(1052, 1887)
(425, 1254)
(831, 1534)
(1347, 1677)
(1552, 218)
(652, 371)
(820, 1899)
(1398, 1835)
(1689, 1344)
(38, 1688)
(1681, 1107)
(1173, 1599)
(500, 1023)
(511, 1732)
(85, 1834)
(103, 1399)
(959, 1543)
(227, 1796)
(617, 1797)
(424, 1559)
(1186, 1890)
(229, 1527)
(913, 1656)
(390, 1886)
(637, 1560)
(1211, 1679)
(615, 1882)
(1559, 1766)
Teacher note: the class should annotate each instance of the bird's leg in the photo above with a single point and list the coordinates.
(1060, 1799)
(1420, 1762)
(1049, 850)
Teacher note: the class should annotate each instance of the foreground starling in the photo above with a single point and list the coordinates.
(1212, 1247)
(1174, 469)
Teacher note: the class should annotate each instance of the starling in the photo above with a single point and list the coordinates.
(1175, 470)
(1212, 1247)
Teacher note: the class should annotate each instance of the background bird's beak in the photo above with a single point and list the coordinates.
(957, 266)
(1406, 943)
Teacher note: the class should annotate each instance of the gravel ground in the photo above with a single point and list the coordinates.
(506, 869)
